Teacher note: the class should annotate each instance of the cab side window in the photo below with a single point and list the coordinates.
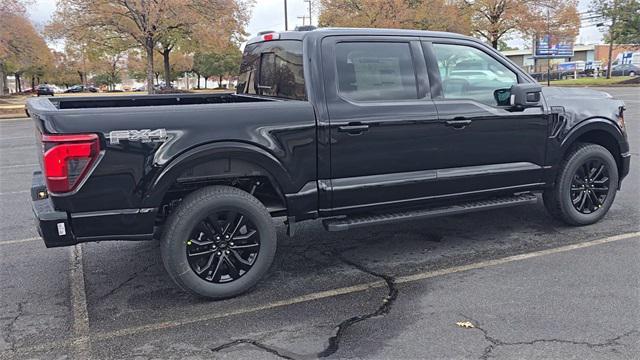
(375, 71)
(470, 73)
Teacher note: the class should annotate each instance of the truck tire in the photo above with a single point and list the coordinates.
(586, 186)
(219, 242)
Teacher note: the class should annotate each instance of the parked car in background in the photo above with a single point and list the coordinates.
(625, 70)
(81, 88)
(45, 89)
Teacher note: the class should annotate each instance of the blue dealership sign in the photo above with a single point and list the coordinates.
(549, 46)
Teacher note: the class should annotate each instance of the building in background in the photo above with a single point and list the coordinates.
(585, 53)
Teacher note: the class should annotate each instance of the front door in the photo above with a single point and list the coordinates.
(484, 144)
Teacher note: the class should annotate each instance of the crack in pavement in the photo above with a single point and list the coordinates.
(383, 309)
(341, 329)
(9, 338)
(122, 284)
(270, 349)
(495, 342)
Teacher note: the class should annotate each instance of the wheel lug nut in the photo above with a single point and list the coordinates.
(227, 252)
(231, 243)
(226, 236)
(219, 253)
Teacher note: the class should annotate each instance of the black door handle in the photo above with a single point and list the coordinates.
(458, 124)
(354, 128)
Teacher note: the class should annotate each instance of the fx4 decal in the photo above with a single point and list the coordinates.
(145, 135)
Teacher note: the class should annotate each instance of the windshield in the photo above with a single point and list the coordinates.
(273, 68)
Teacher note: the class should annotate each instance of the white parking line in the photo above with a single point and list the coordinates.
(18, 166)
(80, 343)
(15, 192)
(19, 241)
(16, 137)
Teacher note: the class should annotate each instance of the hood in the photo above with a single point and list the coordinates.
(581, 103)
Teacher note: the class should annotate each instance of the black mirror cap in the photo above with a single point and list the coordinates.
(526, 95)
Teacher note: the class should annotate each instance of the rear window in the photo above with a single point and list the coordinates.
(273, 68)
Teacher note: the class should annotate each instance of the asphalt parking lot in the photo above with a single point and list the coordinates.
(530, 286)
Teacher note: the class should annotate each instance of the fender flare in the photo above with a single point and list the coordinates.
(227, 149)
(594, 124)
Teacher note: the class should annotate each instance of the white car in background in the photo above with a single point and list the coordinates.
(484, 75)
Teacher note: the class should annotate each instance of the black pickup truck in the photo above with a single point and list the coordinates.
(354, 126)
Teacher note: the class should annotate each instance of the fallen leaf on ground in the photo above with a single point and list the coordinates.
(465, 324)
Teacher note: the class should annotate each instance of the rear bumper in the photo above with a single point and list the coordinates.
(59, 228)
(53, 226)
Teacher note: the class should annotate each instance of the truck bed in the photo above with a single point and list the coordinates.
(86, 102)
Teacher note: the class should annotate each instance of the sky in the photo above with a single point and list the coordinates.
(269, 15)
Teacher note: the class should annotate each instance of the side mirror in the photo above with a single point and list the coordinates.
(525, 95)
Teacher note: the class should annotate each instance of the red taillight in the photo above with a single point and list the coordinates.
(270, 36)
(67, 159)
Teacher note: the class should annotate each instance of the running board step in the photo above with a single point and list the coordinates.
(340, 224)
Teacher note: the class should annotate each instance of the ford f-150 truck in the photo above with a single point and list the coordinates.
(353, 126)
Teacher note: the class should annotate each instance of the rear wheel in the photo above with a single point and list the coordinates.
(586, 186)
(219, 242)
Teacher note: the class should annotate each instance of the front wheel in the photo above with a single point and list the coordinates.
(585, 187)
(632, 73)
(219, 242)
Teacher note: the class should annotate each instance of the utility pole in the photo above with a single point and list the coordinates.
(310, 13)
(548, 46)
(286, 17)
(304, 20)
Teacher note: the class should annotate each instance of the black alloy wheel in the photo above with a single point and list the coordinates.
(218, 242)
(223, 246)
(590, 186)
(585, 186)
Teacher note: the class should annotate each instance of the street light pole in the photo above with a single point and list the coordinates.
(286, 17)
(548, 46)
(310, 14)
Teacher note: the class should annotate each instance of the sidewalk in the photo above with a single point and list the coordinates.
(12, 111)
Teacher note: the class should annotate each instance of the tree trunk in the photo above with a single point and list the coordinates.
(33, 83)
(3, 81)
(18, 84)
(220, 82)
(149, 48)
(198, 80)
(205, 82)
(167, 67)
(611, 42)
(495, 43)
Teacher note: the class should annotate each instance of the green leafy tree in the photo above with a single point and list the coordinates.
(623, 18)
(218, 64)
(23, 51)
(149, 23)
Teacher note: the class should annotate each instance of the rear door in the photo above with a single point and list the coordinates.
(380, 112)
(484, 144)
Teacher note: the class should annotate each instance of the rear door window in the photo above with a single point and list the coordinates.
(375, 71)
